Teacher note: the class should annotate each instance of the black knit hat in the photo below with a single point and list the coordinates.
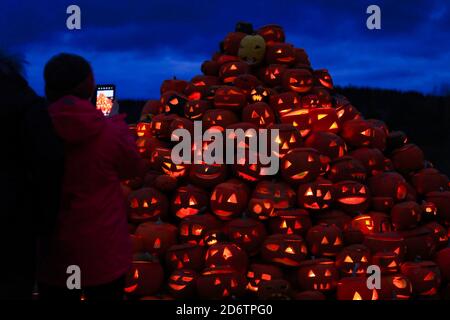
(66, 74)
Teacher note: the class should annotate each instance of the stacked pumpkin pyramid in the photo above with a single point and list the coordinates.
(350, 193)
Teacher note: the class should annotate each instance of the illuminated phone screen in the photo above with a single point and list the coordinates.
(105, 98)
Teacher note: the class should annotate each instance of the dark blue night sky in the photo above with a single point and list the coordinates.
(137, 44)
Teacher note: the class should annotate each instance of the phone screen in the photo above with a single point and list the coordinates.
(105, 98)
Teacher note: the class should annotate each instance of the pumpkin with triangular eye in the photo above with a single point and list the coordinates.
(160, 125)
(351, 196)
(441, 201)
(298, 80)
(146, 204)
(324, 119)
(182, 283)
(229, 71)
(157, 237)
(226, 254)
(285, 102)
(193, 229)
(327, 143)
(353, 260)
(290, 221)
(221, 283)
(259, 273)
(389, 262)
(388, 188)
(347, 168)
(214, 237)
(386, 242)
(323, 78)
(186, 255)
(252, 49)
(198, 87)
(324, 240)
(220, 118)
(189, 200)
(310, 101)
(272, 33)
(173, 102)
(372, 159)
(272, 74)
(299, 118)
(355, 288)
(425, 277)
(145, 276)
(146, 145)
(229, 98)
(161, 159)
(440, 234)
(195, 109)
(284, 249)
(395, 287)
(323, 96)
(317, 274)
(316, 195)
(280, 53)
(143, 129)
(259, 114)
(261, 209)
(229, 199)
(247, 233)
(288, 138)
(301, 165)
(361, 133)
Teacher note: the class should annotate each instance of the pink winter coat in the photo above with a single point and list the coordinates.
(92, 229)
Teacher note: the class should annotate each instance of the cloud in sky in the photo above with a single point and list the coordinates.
(137, 44)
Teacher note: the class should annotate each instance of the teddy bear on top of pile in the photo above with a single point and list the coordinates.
(349, 194)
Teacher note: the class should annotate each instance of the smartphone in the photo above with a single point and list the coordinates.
(104, 98)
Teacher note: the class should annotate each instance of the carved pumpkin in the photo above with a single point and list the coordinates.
(259, 94)
(298, 80)
(301, 165)
(324, 240)
(316, 195)
(230, 70)
(425, 277)
(146, 146)
(371, 158)
(189, 200)
(272, 74)
(322, 77)
(186, 255)
(352, 197)
(353, 260)
(389, 187)
(272, 33)
(174, 84)
(145, 276)
(318, 274)
(182, 283)
(220, 118)
(261, 209)
(259, 114)
(146, 204)
(160, 125)
(220, 283)
(258, 274)
(199, 85)
(247, 233)
(229, 98)
(143, 129)
(252, 49)
(284, 249)
(288, 138)
(389, 262)
(173, 102)
(440, 234)
(386, 242)
(157, 237)
(408, 158)
(161, 159)
(327, 143)
(195, 109)
(208, 175)
(229, 199)
(324, 98)
(324, 119)
(406, 215)
(355, 288)
(359, 133)
(347, 168)
(279, 53)
(193, 229)
(226, 254)
(280, 193)
(395, 287)
(441, 200)
(290, 221)
(285, 102)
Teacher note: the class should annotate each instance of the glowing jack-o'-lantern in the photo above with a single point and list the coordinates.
(324, 240)
(229, 98)
(429, 180)
(395, 287)
(161, 159)
(440, 234)
(220, 118)
(226, 254)
(324, 119)
(146, 204)
(316, 195)
(323, 96)
(406, 215)
(353, 260)
(347, 168)
(389, 262)
(160, 125)
(230, 70)
(173, 102)
(145, 276)
(290, 221)
(298, 80)
(327, 143)
(390, 186)
(301, 165)
(246, 82)
(371, 158)
(259, 114)
(259, 94)
(157, 237)
(146, 145)
(186, 255)
(280, 193)
(352, 197)
(317, 274)
(386, 242)
(272, 33)
(285, 102)
(228, 199)
(198, 87)
(258, 274)
(143, 129)
(252, 49)
(221, 283)
(261, 209)
(288, 138)
(280, 53)
(310, 101)
(208, 175)
(364, 223)
(441, 201)
(182, 283)
(193, 229)
(195, 109)
(284, 249)
(355, 288)
(299, 119)
(247, 233)
(424, 275)
(189, 200)
(272, 74)
(322, 77)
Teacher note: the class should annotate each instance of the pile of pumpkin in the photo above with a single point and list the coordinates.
(350, 193)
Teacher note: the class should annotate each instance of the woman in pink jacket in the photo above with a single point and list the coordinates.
(91, 231)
